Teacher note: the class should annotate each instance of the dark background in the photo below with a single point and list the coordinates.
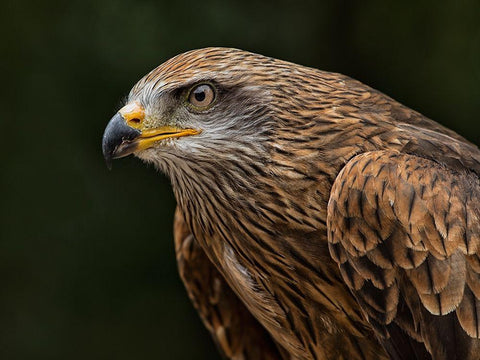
(87, 265)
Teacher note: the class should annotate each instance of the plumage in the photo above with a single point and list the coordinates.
(317, 218)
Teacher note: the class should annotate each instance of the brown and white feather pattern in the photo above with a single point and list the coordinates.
(399, 221)
(236, 332)
(332, 221)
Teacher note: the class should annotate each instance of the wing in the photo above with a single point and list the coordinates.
(236, 332)
(405, 232)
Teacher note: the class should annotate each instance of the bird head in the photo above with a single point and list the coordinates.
(203, 104)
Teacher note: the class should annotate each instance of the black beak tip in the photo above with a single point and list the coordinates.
(107, 150)
(108, 163)
(116, 133)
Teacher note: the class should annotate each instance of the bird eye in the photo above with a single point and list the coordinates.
(201, 95)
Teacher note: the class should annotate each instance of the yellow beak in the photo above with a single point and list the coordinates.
(125, 133)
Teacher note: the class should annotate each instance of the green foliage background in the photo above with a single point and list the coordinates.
(87, 265)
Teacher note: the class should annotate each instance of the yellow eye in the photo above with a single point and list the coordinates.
(201, 96)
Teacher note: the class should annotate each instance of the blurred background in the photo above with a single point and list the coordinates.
(87, 264)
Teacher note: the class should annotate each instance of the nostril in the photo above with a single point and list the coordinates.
(134, 122)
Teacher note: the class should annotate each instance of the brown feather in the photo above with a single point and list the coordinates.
(236, 333)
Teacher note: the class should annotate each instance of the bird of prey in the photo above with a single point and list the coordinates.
(317, 218)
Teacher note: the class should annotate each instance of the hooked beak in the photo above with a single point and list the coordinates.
(125, 133)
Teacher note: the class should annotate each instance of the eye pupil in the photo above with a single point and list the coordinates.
(200, 95)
